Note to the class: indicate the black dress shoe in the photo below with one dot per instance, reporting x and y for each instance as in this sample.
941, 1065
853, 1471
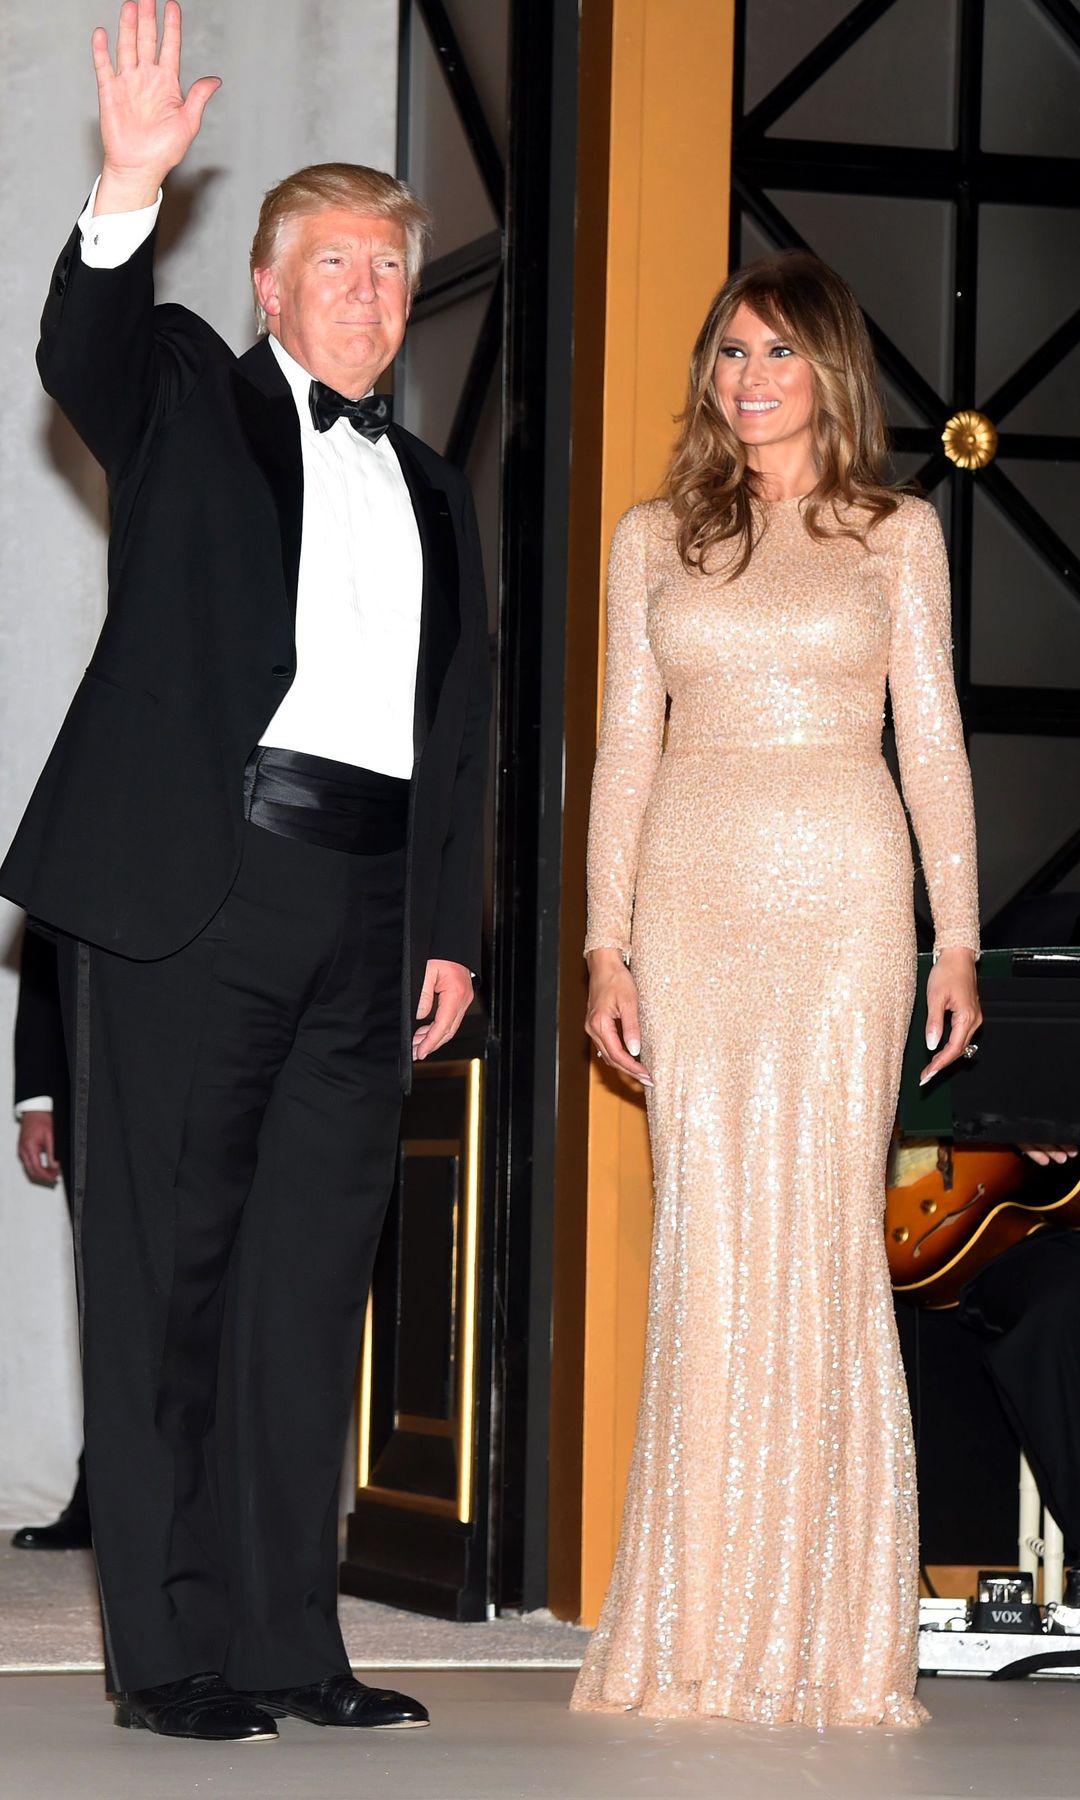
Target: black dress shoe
198, 1706
341, 1700
71, 1531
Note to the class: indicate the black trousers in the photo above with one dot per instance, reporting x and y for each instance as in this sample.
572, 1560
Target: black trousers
241, 1103
1026, 1305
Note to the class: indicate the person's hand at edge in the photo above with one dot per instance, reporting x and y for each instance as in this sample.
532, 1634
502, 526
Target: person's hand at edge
1045, 1154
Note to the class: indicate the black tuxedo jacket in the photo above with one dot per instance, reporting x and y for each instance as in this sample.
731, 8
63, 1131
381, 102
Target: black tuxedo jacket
132, 836
41, 1066
40, 1057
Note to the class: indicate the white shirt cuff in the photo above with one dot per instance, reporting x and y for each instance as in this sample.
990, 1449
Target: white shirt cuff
40, 1103
110, 239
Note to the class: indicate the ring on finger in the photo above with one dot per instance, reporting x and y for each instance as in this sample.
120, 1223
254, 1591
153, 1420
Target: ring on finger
969, 1052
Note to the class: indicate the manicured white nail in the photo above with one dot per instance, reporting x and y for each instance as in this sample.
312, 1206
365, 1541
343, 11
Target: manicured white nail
933, 1037
633, 1046
923, 1079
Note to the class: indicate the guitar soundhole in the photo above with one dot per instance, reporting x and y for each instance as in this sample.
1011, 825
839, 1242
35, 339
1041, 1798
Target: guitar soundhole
930, 1206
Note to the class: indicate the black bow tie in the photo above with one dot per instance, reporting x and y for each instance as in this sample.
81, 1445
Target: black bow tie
369, 416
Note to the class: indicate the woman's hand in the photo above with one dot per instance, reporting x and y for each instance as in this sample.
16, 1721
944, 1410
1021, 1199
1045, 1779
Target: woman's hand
951, 989
611, 1020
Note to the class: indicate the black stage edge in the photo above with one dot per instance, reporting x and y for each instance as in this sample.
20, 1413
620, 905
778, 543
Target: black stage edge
532, 634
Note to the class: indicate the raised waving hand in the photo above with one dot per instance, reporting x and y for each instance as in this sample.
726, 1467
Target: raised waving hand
147, 124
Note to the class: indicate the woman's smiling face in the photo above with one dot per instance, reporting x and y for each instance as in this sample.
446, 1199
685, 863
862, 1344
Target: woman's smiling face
764, 387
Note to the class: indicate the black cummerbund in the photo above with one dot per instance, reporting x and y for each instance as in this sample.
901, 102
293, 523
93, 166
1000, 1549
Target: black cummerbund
333, 804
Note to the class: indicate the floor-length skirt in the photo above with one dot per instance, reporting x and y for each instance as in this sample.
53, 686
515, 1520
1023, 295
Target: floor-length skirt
768, 1564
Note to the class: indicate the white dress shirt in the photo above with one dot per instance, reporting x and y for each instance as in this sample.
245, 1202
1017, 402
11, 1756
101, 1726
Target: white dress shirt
39, 1103
361, 569
110, 240
358, 599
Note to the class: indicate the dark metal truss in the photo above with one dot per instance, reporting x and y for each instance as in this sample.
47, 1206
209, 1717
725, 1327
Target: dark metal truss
968, 177
477, 266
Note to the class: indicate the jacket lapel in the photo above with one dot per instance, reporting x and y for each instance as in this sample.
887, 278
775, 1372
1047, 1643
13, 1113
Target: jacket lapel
268, 415
440, 618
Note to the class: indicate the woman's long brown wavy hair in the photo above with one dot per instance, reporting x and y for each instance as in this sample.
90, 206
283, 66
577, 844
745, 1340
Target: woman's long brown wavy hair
714, 494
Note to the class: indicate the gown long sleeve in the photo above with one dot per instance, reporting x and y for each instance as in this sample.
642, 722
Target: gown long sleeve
631, 735
934, 770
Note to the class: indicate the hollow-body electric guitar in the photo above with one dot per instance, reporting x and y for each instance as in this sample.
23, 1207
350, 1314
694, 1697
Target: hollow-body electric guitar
949, 1212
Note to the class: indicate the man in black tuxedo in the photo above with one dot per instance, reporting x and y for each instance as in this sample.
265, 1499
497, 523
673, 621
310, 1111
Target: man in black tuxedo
259, 838
43, 1112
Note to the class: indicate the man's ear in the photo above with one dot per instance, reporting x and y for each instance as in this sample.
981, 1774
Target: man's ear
265, 281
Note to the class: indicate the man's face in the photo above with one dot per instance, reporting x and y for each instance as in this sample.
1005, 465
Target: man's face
337, 297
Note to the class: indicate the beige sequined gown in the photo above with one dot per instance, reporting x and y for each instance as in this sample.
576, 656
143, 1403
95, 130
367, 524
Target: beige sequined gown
767, 1568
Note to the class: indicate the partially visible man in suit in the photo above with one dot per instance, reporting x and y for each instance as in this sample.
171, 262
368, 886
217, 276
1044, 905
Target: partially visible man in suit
1025, 1305
43, 1114
259, 838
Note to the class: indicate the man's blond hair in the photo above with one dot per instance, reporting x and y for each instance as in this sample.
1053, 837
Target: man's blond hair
352, 187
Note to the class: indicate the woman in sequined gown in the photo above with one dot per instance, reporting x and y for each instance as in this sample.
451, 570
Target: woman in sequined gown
751, 865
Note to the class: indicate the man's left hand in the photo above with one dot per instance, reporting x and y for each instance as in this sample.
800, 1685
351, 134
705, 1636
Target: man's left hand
448, 988
37, 1148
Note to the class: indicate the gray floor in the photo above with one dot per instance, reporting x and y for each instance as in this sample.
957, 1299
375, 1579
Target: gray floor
506, 1735
49, 1622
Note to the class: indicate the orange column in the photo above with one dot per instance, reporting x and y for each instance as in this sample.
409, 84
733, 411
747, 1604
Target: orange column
654, 162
